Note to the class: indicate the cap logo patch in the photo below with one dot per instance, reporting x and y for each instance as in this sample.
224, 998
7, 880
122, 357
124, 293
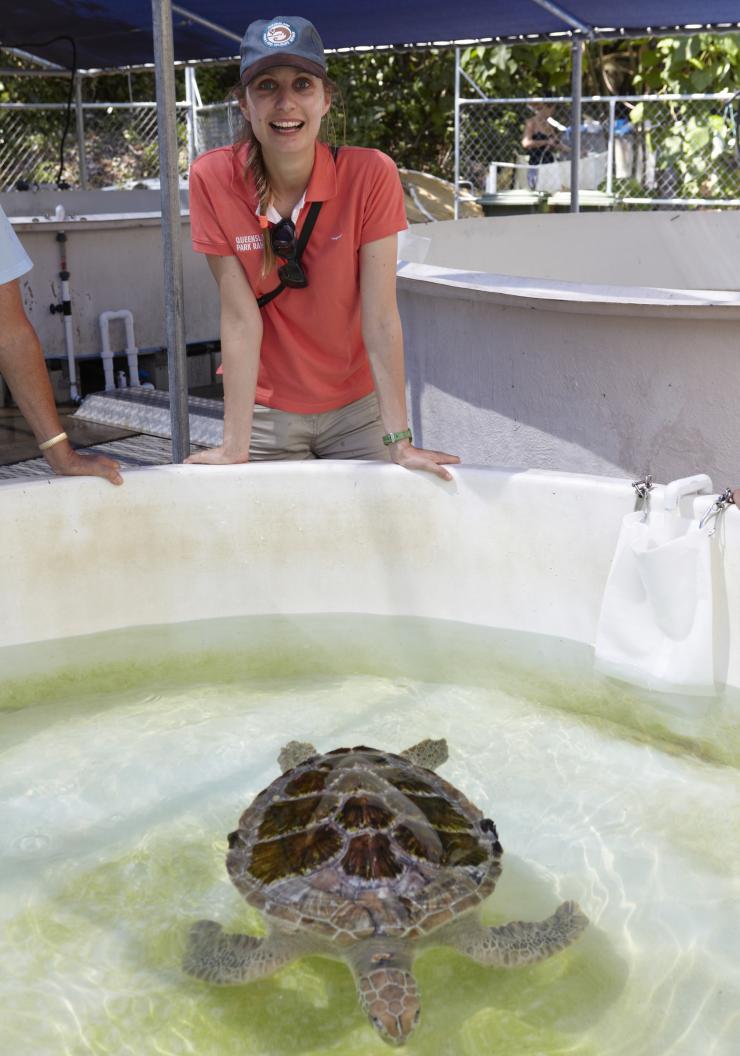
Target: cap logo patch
278, 35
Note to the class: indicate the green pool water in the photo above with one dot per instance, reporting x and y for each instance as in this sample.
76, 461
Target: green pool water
126, 758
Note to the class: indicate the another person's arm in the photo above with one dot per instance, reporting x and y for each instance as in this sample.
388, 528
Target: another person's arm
383, 337
241, 340
527, 142
552, 140
23, 368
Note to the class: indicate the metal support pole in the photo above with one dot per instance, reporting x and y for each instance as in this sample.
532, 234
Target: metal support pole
576, 50
610, 147
80, 116
457, 133
171, 229
199, 20
27, 56
565, 16
192, 98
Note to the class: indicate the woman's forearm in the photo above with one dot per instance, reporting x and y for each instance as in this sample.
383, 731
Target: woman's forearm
240, 360
384, 343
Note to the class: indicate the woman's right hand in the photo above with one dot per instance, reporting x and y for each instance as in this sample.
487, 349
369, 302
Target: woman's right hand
216, 456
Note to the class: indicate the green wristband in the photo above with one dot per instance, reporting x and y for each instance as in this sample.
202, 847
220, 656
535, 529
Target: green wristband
393, 438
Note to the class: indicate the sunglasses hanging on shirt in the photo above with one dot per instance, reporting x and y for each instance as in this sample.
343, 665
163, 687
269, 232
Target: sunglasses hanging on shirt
285, 246
290, 249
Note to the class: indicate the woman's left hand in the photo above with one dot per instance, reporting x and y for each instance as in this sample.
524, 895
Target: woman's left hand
736, 497
419, 458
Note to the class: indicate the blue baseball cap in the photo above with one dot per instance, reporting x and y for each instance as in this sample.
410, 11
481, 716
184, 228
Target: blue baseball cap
281, 41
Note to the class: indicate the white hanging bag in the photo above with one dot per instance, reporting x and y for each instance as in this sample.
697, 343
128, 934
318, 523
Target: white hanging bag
655, 627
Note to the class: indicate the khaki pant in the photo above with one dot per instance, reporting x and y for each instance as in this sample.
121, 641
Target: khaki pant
352, 431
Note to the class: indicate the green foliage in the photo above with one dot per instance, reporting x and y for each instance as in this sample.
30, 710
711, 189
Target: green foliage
520, 70
684, 65
400, 102
403, 102
215, 82
696, 152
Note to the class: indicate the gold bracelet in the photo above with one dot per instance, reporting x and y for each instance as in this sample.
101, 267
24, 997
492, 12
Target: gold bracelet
52, 441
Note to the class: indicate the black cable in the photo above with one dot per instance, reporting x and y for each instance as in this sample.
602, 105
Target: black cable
61, 183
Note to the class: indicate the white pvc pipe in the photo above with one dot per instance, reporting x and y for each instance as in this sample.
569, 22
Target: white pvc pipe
132, 352
66, 306
69, 341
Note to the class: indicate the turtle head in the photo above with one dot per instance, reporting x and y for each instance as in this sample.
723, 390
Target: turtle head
387, 991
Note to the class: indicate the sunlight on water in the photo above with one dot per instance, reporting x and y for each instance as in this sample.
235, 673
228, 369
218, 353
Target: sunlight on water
118, 789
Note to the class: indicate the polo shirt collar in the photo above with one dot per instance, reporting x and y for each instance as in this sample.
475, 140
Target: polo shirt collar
322, 184
274, 216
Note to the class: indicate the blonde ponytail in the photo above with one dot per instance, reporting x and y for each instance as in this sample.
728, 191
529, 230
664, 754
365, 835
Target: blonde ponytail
256, 165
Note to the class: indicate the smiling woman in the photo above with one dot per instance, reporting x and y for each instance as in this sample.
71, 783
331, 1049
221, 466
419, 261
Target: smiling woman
301, 240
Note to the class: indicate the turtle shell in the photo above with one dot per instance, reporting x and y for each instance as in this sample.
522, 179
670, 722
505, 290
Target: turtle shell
360, 842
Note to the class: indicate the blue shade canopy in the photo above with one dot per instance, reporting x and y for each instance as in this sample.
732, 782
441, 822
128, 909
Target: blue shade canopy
112, 33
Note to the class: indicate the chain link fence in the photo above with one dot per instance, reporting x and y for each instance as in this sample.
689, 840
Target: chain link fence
637, 150
111, 145
216, 126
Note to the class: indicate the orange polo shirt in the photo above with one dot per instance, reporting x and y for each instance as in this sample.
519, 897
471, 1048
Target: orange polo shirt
313, 358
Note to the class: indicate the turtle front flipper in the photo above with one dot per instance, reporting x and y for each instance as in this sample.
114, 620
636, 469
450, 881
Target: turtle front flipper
428, 753
522, 942
293, 753
230, 959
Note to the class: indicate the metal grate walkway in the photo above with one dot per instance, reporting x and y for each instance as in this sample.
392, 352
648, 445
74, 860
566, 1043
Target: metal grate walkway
148, 411
131, 452
145, 412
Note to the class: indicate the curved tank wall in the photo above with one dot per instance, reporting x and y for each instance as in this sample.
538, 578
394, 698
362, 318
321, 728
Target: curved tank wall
122, 778
675, 250
599, 343
521, 551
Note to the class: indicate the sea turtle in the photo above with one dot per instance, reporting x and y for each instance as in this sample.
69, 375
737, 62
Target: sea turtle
369, 857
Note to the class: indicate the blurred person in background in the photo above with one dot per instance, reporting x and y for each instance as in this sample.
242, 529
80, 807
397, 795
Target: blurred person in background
540, 139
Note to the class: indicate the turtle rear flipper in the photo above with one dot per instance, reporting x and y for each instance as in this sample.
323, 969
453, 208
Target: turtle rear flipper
522, 942
293, 754
427, 753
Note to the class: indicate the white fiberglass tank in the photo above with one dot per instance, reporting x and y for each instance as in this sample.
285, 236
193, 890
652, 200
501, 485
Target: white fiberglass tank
164, 639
